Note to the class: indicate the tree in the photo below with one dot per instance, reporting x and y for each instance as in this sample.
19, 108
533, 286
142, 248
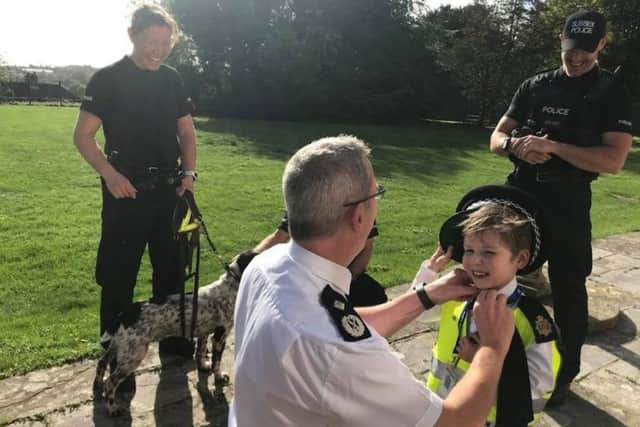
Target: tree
5, 90
624, 29
474, 48
297, 59
4, 73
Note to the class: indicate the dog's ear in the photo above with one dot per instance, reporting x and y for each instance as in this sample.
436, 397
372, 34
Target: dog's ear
243, 260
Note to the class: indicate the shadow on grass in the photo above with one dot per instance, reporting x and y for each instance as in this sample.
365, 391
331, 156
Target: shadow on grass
427, 152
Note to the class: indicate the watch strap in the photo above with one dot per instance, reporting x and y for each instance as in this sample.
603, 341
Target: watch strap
424, 298
190, 173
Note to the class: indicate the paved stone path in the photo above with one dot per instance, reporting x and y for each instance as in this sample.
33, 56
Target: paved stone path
607, 392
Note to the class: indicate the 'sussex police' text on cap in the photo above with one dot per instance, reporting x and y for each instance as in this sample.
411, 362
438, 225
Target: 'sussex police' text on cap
583, 30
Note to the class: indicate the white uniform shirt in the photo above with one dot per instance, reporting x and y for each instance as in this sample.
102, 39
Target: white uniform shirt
292, 366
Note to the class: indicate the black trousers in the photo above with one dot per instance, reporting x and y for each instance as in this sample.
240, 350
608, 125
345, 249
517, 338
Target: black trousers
567, 207
128, 226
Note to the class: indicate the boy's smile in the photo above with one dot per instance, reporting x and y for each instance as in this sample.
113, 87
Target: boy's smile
489, 260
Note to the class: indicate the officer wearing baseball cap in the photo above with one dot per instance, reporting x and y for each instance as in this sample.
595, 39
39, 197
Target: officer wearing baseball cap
583, 30
563, 128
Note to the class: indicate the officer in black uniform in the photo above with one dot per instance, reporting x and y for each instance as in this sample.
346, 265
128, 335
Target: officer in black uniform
146, 117
562, 129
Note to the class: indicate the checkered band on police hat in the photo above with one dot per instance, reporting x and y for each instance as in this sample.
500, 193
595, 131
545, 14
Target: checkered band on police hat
518, 200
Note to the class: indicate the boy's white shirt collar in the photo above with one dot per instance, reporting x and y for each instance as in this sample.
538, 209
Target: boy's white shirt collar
507, 291
509, 288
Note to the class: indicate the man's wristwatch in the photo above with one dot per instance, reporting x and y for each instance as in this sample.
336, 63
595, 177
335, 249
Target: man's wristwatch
192, 174
424, 298
506, 144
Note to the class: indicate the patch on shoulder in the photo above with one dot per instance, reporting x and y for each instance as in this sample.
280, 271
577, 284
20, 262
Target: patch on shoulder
349, 324
541, 321
543, 326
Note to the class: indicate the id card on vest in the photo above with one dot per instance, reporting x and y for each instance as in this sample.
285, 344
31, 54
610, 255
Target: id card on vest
449, 380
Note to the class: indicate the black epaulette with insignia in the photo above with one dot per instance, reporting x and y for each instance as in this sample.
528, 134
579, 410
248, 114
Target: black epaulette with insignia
345, 318
541, 322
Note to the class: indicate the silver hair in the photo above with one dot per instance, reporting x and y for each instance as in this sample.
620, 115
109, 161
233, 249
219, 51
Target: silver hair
321, 177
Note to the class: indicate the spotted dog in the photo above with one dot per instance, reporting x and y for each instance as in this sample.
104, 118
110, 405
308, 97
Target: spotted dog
146, 322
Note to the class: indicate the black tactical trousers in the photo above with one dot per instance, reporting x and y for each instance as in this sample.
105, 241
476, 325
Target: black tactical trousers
567, 206
128, 226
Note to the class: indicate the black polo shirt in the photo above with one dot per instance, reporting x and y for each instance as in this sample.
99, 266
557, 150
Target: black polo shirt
139, 110
555, 102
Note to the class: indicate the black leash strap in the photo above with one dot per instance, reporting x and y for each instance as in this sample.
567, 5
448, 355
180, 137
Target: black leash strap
187, 232
191, 203
181, 210
190, 221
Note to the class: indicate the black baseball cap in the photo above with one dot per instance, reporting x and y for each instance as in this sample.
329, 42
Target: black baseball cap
583, 30
515, 198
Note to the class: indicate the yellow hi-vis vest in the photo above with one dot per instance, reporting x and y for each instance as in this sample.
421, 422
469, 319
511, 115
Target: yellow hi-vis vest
447, 369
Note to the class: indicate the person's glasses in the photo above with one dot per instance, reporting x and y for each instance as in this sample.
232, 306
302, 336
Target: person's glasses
380, 190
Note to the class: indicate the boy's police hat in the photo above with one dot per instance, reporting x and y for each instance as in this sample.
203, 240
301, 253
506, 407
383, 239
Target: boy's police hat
518, 200
583, 30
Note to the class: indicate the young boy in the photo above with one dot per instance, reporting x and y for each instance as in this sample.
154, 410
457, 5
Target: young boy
498, 232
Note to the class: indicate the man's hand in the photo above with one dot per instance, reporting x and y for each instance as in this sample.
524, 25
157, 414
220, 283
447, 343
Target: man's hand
119, 186
532, 149
495, 321
456, 285
185, 184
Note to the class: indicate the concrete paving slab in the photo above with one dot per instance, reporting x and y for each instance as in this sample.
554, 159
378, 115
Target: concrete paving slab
616, 393
620, 244
628, 279
594, 358
416, 353
604, 306
599, 253
633, 347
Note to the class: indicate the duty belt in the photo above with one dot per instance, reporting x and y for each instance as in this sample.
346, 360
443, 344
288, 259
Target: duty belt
152, 177
560, 173
145, 178
554, 174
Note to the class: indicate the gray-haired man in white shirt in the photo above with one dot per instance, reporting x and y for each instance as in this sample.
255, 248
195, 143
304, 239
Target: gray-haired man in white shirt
304, 356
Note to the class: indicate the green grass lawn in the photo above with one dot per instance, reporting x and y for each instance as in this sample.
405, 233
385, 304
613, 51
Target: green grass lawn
50, 211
